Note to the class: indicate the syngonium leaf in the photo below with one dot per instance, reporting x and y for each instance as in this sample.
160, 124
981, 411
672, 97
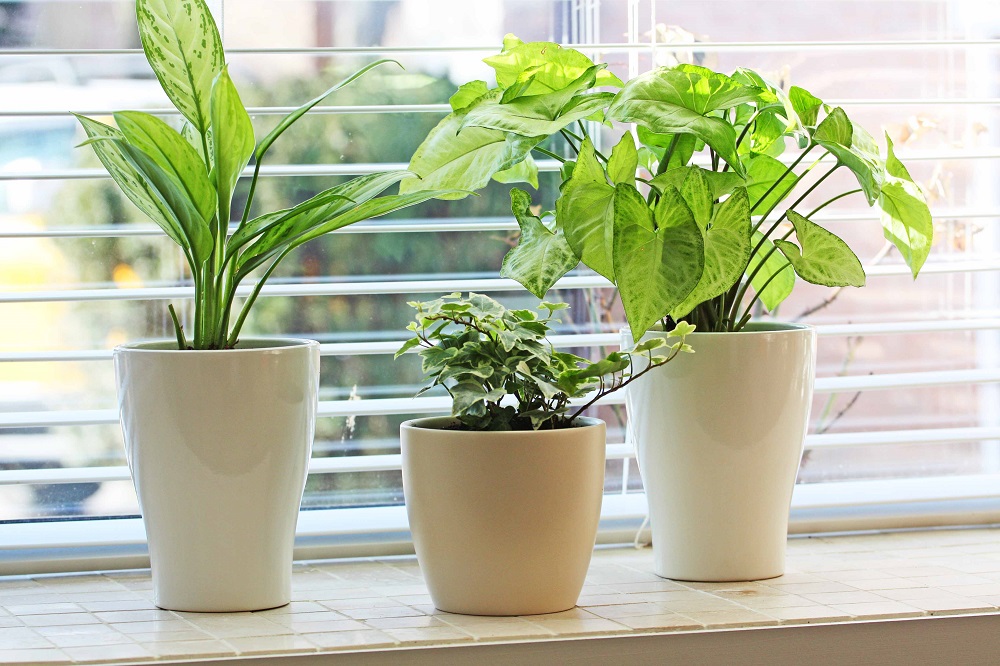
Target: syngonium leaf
823, 258
763, 176
541, 114
525, 171
805, 104
624, 161
172, 153
727, 251
697, 194
233, 143
720, 183
654, 270
775, 279
906, 219
680, 150
542, 256
467, 93
128, 178
465, 159
182, 44
854, 148
551, 67
682, 100
585, 211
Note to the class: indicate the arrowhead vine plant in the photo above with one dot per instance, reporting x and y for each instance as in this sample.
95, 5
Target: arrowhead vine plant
502, 372
702, 221
184, 179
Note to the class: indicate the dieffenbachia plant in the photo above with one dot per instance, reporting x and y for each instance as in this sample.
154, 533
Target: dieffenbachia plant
184, 180
693, 223
501, 371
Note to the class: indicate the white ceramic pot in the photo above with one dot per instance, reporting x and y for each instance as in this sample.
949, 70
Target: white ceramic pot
503, 523
218, 443
718, 436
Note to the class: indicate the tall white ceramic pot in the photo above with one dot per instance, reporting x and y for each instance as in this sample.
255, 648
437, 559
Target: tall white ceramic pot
718, 436
503, 523
218, 443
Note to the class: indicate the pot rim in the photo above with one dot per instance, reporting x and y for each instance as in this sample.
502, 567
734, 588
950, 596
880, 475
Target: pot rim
418, 424
757, 328
258, 344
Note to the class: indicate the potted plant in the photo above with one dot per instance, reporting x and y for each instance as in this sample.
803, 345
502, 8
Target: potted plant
504, 496
701, 222
218, 429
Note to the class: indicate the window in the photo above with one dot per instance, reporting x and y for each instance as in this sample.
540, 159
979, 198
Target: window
906, 422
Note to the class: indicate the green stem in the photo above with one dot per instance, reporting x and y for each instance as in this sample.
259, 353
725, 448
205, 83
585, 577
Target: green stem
178, 329
839, 196
566, 135
789, 170
245, 310
548, 153
746, 313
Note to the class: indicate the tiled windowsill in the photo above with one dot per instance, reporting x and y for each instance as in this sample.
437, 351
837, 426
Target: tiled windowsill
381, 604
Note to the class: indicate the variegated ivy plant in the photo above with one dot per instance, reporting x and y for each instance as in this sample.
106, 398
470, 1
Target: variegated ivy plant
184, 179
502, 372
698, 222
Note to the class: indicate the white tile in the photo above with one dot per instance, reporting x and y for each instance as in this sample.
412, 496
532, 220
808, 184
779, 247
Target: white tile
109, 653
14, 655
369, 638
22, 638
272, 644
428, 635
60, 619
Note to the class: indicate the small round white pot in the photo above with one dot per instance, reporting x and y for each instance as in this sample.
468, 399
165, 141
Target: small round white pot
503, 523
218, 443
718, 436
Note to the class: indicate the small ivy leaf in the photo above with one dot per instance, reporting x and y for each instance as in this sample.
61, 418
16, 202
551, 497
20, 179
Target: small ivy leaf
824, 258
408, 345
681, 329
541, 256
647, 346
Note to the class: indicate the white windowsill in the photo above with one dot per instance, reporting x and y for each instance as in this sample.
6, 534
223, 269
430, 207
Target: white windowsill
909, 597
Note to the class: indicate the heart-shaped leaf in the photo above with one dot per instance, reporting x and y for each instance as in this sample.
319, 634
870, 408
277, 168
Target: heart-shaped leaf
775, 279
727, 251
585, 210
542, 256
624, 161
824, 258
697, 194
720, 183
464, 159
906, 219
552, 67
654, 270
854, 148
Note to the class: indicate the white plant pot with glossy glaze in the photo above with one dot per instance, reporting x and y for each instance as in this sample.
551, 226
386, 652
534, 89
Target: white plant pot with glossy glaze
718, 436
218, 442
504, 523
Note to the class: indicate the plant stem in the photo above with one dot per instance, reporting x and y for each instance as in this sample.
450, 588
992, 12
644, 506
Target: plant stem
178, 329
567, 135
790, 169
548, 153
839, 196
245, 310
756, 297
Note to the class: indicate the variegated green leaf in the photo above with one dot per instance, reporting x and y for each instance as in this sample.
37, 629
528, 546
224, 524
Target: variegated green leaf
823, 258
542, 256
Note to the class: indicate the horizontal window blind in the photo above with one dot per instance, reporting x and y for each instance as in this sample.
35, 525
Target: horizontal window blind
905, 427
